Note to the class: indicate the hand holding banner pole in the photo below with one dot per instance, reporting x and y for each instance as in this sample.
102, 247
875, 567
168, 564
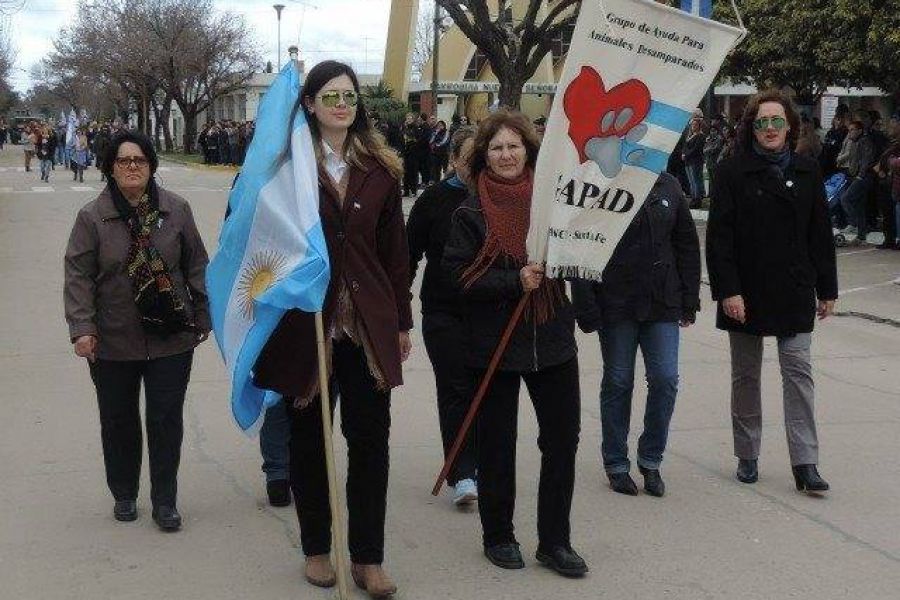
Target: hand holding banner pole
337, 528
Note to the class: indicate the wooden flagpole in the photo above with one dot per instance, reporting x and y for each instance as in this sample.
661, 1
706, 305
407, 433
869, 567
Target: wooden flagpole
479, 395
337, 529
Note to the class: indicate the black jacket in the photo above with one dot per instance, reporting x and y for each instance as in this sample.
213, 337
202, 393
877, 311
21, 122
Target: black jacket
488, 305
769, 240
427, 230
693, 148
654, 273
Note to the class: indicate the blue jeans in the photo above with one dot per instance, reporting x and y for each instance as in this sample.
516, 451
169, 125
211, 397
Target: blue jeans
695, 179
619, 341
853, 201
274, 436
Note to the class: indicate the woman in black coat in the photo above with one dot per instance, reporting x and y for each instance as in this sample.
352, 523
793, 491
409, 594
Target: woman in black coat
650, 288
442, 320
772, 268
487, 258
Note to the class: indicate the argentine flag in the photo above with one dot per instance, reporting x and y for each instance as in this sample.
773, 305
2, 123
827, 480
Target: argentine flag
272, 255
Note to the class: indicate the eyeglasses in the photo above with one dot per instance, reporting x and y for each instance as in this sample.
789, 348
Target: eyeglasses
123, 162
333, 98
762, 123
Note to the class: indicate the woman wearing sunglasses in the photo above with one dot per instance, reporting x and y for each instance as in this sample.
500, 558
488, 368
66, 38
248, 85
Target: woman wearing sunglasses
772, 269
368, 318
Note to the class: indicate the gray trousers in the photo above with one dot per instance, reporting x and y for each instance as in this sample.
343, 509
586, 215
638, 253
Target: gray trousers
797, 383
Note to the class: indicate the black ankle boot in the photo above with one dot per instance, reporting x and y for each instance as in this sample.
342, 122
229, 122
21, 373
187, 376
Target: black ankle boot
622, 483
653, 482
747, 471
808, 479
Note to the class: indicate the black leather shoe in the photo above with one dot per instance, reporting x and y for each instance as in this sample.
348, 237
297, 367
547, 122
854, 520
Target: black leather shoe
747, 471
125, 510
653, 482
563, 560
505, 556
808, 479
622, 483
279, 492
167, 518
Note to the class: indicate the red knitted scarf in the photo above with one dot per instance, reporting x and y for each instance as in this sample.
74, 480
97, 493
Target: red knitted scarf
506, 205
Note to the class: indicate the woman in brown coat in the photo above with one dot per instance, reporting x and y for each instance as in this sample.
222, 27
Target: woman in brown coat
136, 305
368, 318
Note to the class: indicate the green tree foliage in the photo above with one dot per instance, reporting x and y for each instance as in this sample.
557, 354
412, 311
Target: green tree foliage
379, 100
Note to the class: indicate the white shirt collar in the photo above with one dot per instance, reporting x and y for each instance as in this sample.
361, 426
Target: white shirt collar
334, 164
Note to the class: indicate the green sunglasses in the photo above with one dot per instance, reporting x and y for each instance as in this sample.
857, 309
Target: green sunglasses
777, 123
333, 98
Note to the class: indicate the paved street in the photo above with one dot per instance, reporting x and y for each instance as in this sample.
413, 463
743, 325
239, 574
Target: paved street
709, 538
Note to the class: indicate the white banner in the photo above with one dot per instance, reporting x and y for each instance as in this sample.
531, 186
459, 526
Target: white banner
634, 72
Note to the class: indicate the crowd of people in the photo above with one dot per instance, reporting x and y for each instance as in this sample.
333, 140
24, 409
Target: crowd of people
771, 265
50, 144
859, 157
225, 142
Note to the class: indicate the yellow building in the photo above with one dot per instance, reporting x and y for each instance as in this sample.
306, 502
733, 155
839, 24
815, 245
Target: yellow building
466, 85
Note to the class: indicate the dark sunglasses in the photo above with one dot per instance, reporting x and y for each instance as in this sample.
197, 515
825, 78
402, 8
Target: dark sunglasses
333, 98
123, 162
777, 123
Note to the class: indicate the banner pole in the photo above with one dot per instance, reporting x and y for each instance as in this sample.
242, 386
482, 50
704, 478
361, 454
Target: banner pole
479, 395
337, 528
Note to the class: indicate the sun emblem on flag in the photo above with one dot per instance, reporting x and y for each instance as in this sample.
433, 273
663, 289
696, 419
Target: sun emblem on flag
264, 269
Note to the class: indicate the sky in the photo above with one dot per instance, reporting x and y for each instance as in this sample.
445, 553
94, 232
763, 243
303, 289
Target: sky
353, 31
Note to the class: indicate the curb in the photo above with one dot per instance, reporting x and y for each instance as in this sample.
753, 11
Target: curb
188, 163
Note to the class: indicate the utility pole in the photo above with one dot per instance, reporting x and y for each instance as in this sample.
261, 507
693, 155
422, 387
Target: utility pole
434, 58
278, 8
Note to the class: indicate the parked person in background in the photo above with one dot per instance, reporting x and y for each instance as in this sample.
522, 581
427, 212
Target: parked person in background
715, 141
136, 305
29, 143
4, 133
808, 143
485, 256
862, 180
771, 264
44, 151
439, 149
410, 155
423, 146
442, 310
79, 155
831, 146
101, 147
692, 155
887, 181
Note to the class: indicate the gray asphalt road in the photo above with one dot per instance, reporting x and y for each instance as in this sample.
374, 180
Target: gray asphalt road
710, 537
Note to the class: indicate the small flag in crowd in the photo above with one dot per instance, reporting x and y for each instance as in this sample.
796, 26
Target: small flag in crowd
698, 8
272, 255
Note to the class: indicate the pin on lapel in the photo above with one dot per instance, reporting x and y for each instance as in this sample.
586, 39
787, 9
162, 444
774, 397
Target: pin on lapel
789, 184
356, 205
665, 203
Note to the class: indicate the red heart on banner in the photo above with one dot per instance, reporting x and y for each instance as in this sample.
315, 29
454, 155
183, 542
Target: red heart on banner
586, 102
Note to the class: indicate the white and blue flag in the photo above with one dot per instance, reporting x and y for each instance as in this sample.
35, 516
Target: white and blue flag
71, 125
698, 8
272, 255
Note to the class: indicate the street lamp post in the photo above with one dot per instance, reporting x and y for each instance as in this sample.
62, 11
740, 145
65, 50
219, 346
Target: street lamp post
434, 58
278, 8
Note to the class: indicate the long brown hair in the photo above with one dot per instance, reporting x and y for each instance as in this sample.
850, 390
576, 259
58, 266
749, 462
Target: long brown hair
745, 137
487, 129
362, 138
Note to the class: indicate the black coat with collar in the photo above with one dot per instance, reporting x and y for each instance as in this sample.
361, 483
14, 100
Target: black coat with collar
769, 240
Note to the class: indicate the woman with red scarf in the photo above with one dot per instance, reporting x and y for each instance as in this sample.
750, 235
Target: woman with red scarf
486, 257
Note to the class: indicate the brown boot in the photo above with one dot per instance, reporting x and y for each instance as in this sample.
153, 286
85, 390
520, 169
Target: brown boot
373, 579
319, 571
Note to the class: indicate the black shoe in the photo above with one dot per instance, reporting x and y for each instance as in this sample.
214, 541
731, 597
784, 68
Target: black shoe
747, 471
505, 556
563, 560
622, 483
167, 518
125, 510
279, 492
653, 482
808, 479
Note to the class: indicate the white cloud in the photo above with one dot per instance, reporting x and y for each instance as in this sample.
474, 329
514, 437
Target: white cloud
353, 31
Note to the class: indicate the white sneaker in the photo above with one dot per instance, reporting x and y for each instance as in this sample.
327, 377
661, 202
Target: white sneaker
466, 492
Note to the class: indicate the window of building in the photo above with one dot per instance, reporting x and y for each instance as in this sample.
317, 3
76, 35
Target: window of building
476, 65
560, 44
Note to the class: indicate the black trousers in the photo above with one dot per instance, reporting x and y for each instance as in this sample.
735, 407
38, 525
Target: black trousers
366, 424
118, 385
410, 173
556, 397
445, 343
886, 208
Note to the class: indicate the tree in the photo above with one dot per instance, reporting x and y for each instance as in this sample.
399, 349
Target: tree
423, 45
380, 100
513, 46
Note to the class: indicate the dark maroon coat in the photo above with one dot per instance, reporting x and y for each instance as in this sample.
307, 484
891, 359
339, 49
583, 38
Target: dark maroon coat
367, 249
